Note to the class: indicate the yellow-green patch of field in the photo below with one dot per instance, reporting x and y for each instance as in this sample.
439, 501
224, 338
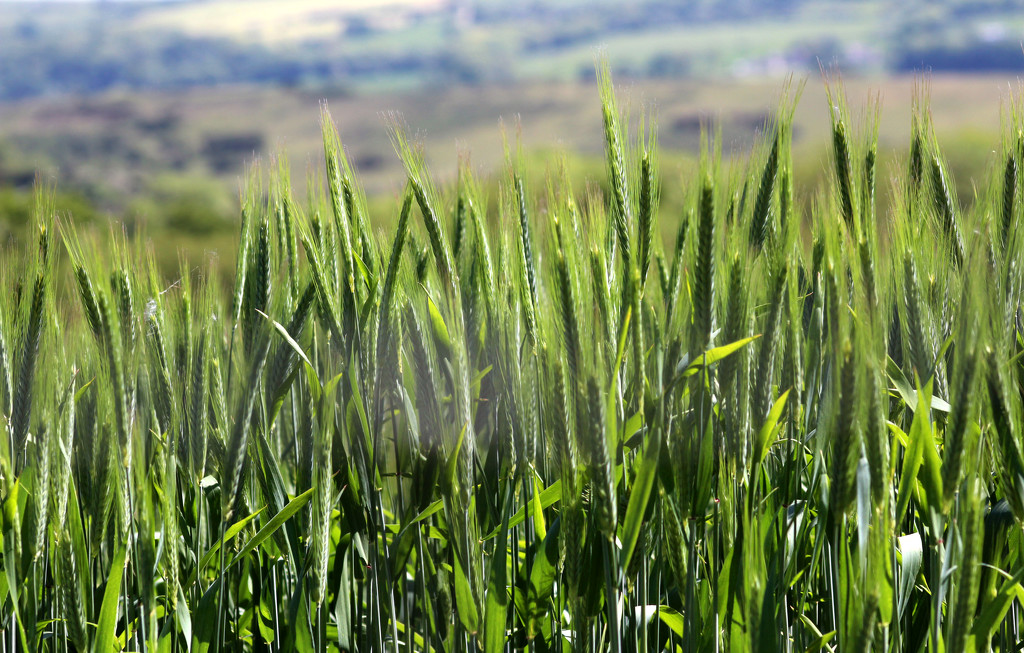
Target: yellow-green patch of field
270, 21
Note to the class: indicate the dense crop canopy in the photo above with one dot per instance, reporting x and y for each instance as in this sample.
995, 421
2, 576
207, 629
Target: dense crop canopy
530, 424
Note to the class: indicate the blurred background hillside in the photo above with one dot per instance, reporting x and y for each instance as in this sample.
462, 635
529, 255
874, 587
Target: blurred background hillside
150, 112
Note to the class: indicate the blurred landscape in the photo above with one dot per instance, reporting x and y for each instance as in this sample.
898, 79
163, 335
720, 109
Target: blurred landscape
150, 112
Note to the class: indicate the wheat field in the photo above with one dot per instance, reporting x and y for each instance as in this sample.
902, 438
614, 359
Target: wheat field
524, 422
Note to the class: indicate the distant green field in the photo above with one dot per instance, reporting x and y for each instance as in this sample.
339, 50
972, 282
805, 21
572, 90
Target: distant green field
532, 43
712, 49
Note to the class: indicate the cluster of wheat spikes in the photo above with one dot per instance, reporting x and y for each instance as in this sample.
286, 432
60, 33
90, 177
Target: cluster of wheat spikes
532, 426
